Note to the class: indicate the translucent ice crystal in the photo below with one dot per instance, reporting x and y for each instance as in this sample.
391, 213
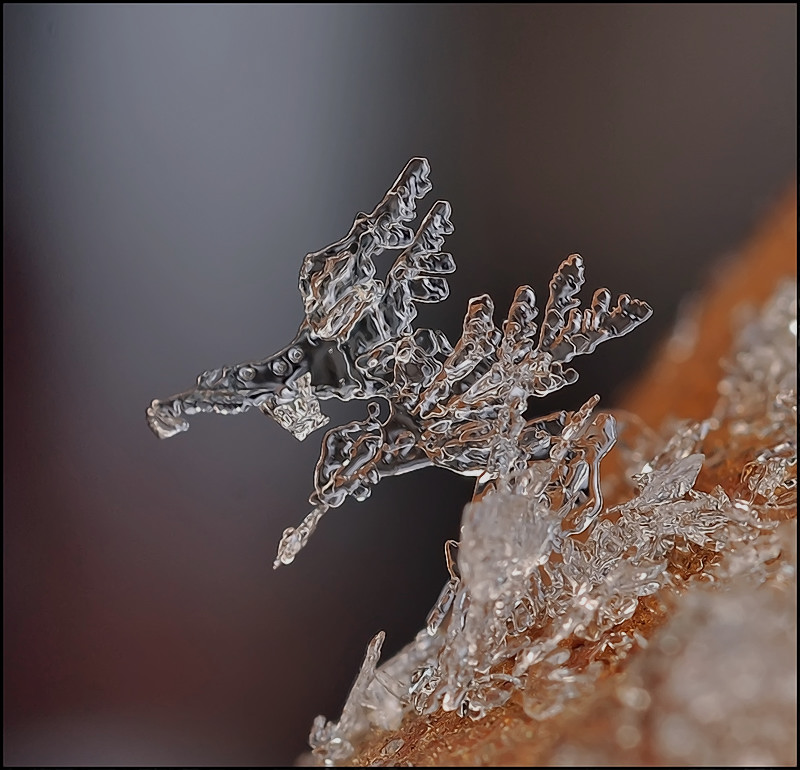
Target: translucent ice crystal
458, 406
540, 561
331, 741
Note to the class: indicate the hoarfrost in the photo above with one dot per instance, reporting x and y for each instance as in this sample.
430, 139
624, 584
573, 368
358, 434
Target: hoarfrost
458, 406
540, 561
526, 580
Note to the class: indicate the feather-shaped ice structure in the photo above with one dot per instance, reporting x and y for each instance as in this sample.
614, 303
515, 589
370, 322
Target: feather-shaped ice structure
458, 406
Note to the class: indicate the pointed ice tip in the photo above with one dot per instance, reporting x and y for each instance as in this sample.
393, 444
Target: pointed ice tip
165, 420
282, 558
575, 259
373, 653
291, 543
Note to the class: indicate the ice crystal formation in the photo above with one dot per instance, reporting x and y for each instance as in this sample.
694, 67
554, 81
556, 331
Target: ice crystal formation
454, 406
521, 584
539, 561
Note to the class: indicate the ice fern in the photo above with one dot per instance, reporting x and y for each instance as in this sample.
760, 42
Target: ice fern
455, 406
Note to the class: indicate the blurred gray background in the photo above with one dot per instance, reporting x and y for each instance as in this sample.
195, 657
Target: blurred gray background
165, 170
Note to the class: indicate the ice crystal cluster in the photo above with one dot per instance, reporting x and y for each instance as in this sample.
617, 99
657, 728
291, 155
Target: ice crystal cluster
454, 406
522, 582
539, 560
715, 686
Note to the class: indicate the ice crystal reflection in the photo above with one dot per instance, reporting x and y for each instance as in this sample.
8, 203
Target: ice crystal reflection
454, 406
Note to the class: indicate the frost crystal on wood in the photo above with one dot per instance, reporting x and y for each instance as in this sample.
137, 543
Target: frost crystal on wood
456, 406
539, 561
522, 583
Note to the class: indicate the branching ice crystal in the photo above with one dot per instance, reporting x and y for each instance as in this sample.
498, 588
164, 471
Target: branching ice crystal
522, 581
456, 406
539, 561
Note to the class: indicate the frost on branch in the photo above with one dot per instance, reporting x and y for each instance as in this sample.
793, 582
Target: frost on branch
524, 583
540, 562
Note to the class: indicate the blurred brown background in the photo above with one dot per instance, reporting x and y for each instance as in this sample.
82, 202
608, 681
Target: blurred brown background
165, 170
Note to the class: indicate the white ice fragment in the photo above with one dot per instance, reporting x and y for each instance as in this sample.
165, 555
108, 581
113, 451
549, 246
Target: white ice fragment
670, 482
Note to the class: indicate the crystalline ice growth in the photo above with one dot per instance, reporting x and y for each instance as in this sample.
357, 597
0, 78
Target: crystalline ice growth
759, 392
715, 685
733, 703
458, 406
540, 561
